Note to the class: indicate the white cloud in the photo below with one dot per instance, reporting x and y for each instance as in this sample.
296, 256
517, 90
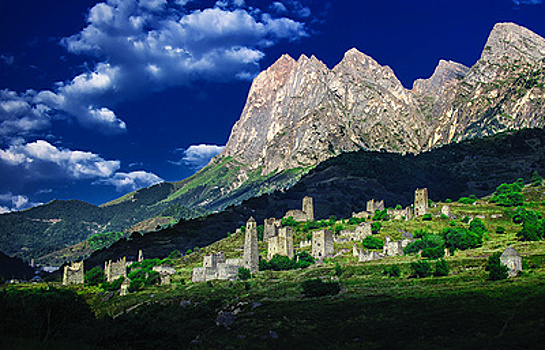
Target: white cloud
132, 181
528, 2
40, 159
20, 115
197, 156
15, 202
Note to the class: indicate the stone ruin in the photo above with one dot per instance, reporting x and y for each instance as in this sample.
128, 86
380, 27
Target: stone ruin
400, 214
140, 256
251, 253
270, 228
322, 244
115, 269
164, 273
420, 201
73, 273
307, 212
281, 244
359, 233
216, 267
364, 256
124, 289
394, 248
373, 206
512, 259
445, 210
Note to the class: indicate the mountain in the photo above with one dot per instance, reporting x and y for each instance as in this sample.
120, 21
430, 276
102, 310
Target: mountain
343, 185
299, 113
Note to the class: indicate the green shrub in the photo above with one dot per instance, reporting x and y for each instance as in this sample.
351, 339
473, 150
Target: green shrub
304, 260
500, 230
289, 221
95, 276
381, 215
509, 195
468, 200
338, 269
431, 245
421, 268
448, 200
112, 286
477, 226
392, 271
317, 288
375, 227
537, 180
460, 238
371, 242
175, 254
260, 229
441, 268
427, 217
244, 273
496, 270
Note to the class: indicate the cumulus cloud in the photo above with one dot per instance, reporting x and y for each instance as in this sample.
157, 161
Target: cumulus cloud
20, 115
40, 159
10, 202
132, 181
197, 156
528, 2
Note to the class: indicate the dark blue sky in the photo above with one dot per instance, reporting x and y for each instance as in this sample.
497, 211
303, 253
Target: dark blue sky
98, 98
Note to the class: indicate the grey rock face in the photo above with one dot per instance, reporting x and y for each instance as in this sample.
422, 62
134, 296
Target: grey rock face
300, 113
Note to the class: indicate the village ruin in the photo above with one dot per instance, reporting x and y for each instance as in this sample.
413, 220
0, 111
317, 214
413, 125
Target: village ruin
115, 269
73, 273
512, 260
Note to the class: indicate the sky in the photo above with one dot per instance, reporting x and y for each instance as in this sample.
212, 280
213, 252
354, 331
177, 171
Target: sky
100, 98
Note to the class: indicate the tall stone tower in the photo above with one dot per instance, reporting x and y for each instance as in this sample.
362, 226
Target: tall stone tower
251, 254
73, 273
308, 208
420, 201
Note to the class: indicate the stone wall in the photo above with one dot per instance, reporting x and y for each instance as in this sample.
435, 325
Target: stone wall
281, 244
215, 267
164, 273
115, 269
373, 206
366, 255
394, 248
322, 244
420, 202
73, 274
400, 214
307, 212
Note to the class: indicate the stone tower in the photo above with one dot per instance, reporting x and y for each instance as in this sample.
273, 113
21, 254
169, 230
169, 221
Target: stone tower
322, 244
251, 254
270, 228
420, 201
308, 208
73, 273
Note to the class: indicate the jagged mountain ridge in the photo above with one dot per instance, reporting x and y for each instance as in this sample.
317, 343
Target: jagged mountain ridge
299, 113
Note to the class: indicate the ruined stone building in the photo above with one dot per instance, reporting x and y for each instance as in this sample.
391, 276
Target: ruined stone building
73, 273
364, 256
115, 269
215, 267
359, 233
445, 210
373, 206
322, 244
512, 259
164, 273
270, 228
420, 201
307, 214
394, 248
124, 288
281, 244
251, 254
400, 214
140, 256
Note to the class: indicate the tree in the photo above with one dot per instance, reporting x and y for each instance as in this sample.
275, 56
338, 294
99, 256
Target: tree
244, 273
375, 227
421, 268
392, 271
441, 268
95, 276
371, 242
496, 270
537, 180
317, 288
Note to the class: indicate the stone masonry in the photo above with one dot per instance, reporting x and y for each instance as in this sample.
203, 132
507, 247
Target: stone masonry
281, 244
512, 259
400, 214
373, 206
115, 269
215, 267
164, 273
420, 201
270, 228
394, 248
73, 273
307, 214
251, 253
322, 244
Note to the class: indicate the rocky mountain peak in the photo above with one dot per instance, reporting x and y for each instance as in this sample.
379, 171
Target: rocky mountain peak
511, 42
446, 73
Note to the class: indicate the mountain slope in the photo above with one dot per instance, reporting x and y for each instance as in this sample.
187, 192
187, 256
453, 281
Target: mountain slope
343, 184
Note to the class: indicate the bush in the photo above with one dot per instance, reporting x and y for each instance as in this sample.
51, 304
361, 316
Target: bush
381, 215
433, 253
338, 270
460, 238
95, 276
537, 180
441, 268
500, 230
244, 273
371, 242
355, 221
430, 244
375, 227
289, 221
427, 217
468, 200
260, 229
175, 254
392, 271
496, 270
304, 260
284, 263
317, 288
448, 200
421, 268
113, 286
509, 195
